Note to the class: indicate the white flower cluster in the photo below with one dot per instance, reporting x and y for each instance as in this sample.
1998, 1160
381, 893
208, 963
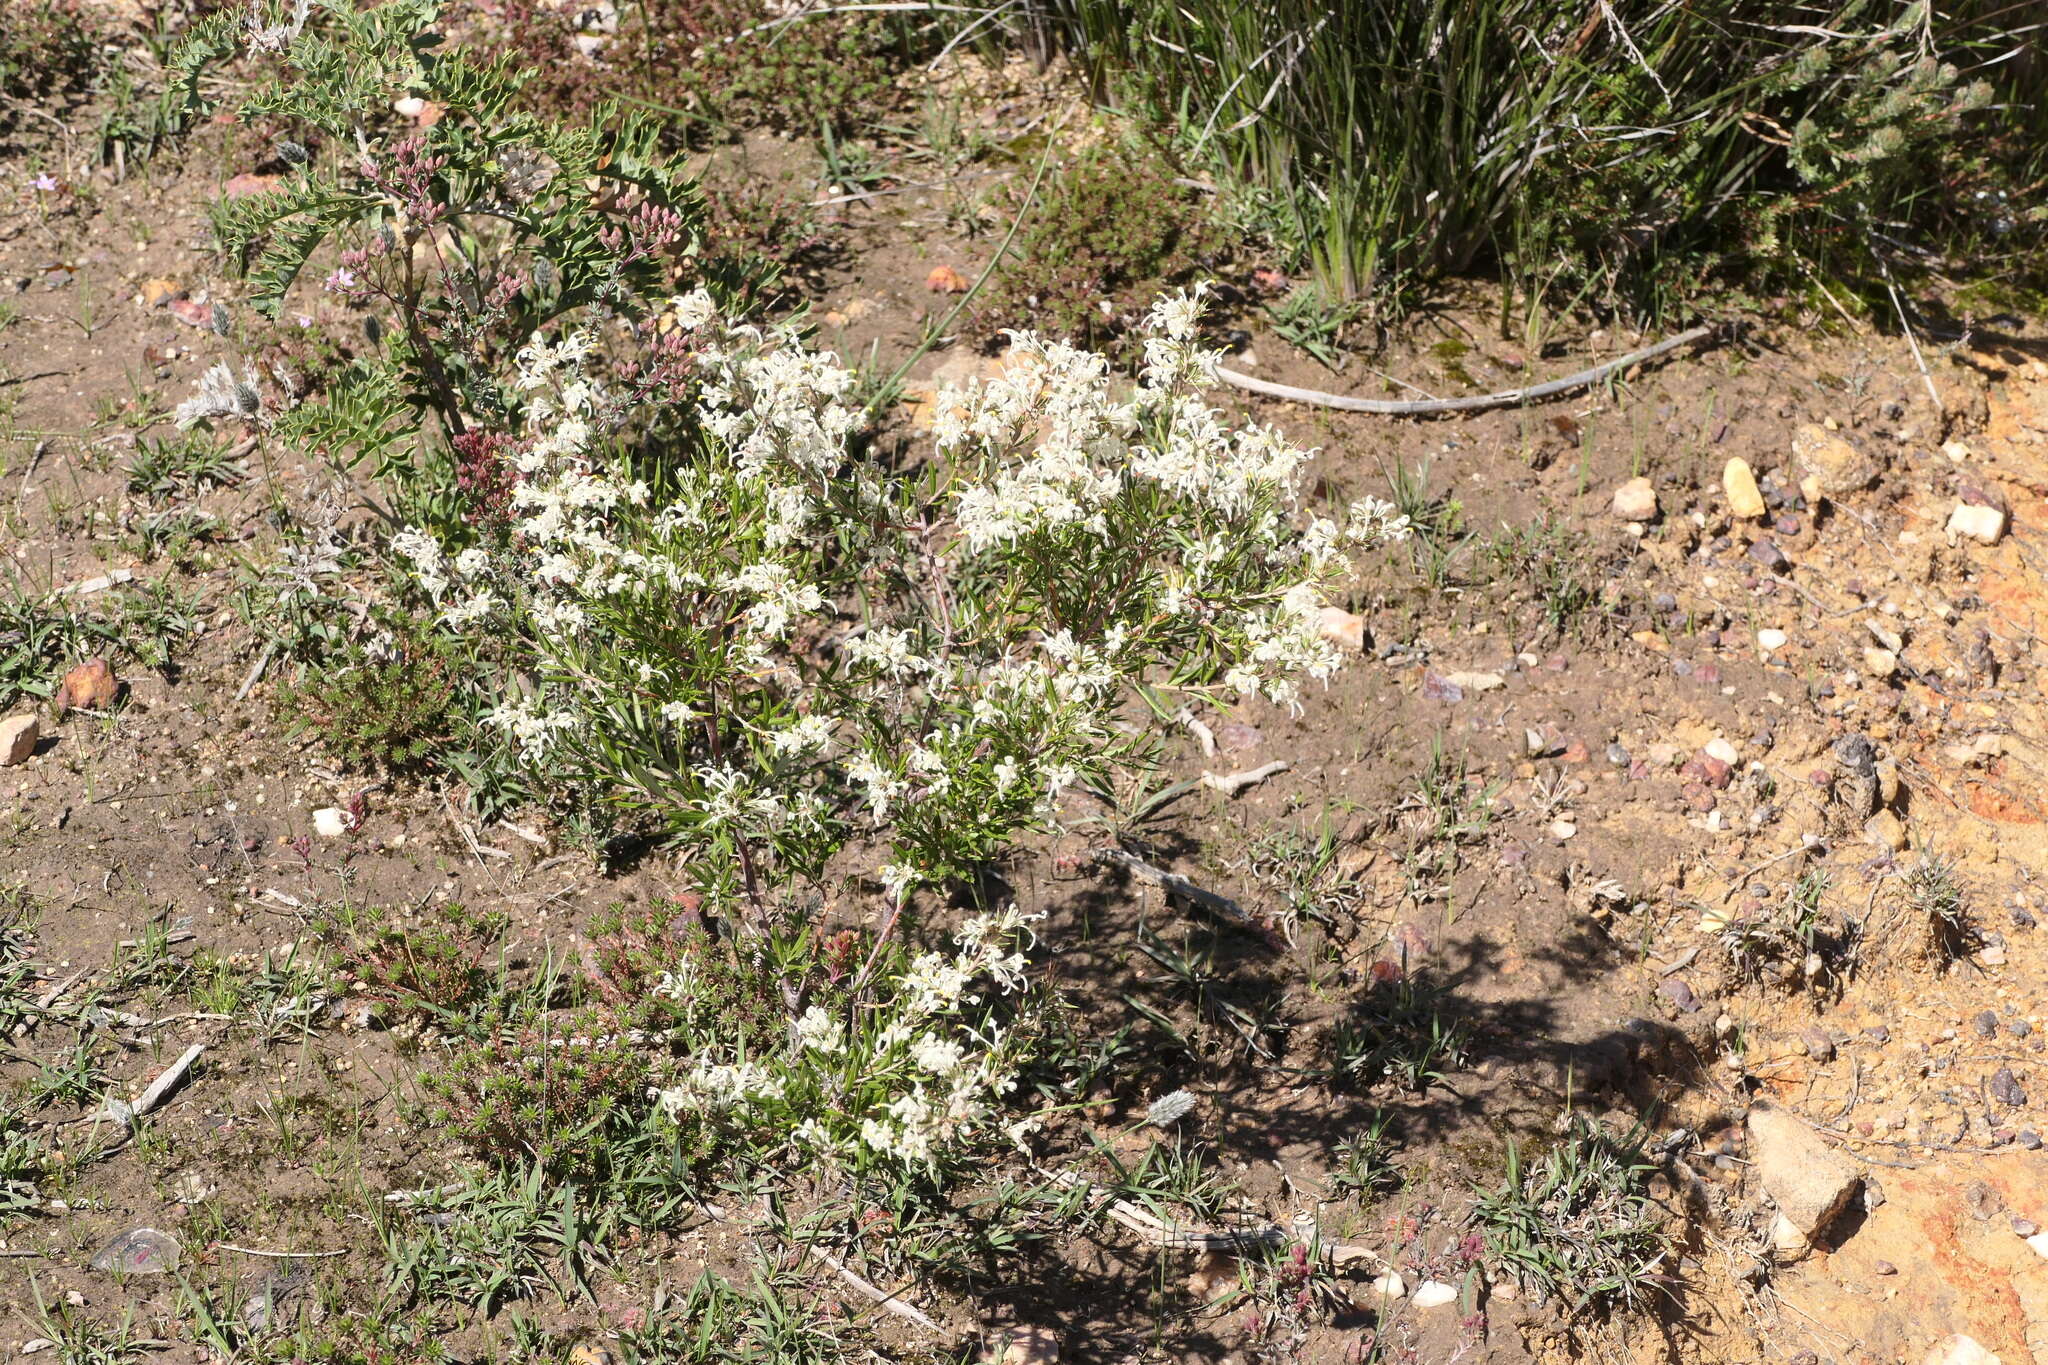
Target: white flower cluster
918, 1074
1077, 532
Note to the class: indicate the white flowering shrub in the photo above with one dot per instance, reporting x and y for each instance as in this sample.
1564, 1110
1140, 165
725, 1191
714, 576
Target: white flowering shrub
779, 643
897, 1073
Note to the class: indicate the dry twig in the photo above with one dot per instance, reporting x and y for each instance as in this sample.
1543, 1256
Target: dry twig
1431, 406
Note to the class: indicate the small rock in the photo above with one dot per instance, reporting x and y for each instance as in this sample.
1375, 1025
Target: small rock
1834, 464
192, 312
1983, 524
2039, 1242
944, 279
330, 822
1819, 1046
1770, 640
1986, 1024
1739, 483
1344, 629
1809, 1181
1883, 1268
1983, 1202
1959, 1350
1680, 993
92, 686
1562, 829
156, 293
1390, 1286
1636, 500
1030, 1346
1787, 1241
1886, 831
1617, 755
2024, 1227
1238, 738
1436, 687
1475, 682
1434, 1294
1721, 749
2030, 1139
1880, 663
18, 737
1769, 555
1213, 1278
2005, 1088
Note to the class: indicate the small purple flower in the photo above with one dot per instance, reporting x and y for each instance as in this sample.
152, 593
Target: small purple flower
302, 320
342, 280
45, 182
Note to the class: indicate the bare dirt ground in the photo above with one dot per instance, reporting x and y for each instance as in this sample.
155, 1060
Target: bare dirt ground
1580, 775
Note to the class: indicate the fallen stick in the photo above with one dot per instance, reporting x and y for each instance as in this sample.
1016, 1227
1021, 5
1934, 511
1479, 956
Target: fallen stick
256, 671
1173, 1235
1233, 783
112, 578
1808, 843
281, 1255
430, 1192
121, 1111
908, 1312
1176, 885
1424, 407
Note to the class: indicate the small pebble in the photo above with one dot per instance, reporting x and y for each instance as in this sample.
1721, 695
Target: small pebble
1884, 1268
1617, 755
1770, 639
2005, 1088
1986, 1024
1680, 994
